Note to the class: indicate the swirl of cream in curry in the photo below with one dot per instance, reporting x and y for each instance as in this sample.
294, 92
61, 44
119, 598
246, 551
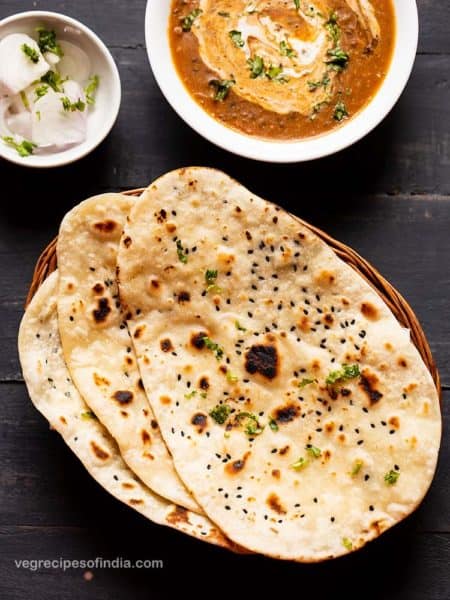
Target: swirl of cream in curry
276, 54
287, 56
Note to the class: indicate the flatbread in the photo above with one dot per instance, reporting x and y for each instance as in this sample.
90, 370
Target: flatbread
345, 424
96, 342
53, 393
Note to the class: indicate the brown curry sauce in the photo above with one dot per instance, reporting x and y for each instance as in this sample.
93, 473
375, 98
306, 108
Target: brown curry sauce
356, 85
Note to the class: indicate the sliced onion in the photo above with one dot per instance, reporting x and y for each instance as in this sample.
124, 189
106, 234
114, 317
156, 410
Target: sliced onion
17, 70
75, 64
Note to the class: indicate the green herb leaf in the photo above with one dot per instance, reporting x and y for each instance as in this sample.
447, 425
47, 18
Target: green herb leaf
313, 451
324, 82
304, 382
299, 464
91, 89
340, 111
218, 350
391, 477
211, 276
252, 427
286, 50
333, 28
347, 372
222, 88
182, 256
273, 425
72, 106
236, 38
41, 90
190, 395
32, 54
232, 378
87, 415
239, 326
275, 74
256, 65
47, 42
338, 58
24, 99
347, 544
357, 467
53, 79
220, 413
188, 20
297, 4
23, 148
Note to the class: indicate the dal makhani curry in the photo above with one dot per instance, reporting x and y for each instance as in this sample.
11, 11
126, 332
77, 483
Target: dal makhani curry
282, 69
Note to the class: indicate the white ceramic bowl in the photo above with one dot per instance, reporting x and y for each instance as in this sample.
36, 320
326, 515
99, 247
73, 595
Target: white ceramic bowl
158, 48
107, 103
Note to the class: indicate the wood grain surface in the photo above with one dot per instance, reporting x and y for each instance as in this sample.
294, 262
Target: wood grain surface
388, 197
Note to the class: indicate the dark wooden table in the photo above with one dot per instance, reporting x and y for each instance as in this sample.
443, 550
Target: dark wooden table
388, 197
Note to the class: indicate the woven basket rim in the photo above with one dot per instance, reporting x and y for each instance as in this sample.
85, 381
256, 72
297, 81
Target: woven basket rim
47, 263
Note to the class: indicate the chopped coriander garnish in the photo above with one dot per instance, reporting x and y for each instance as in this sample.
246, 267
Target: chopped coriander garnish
182, 256
220, 413
299, 464
188, 20
218, 350
222, 88
333, 28
223, 14
32, 54
239, 327
347, 544
211, 276
53, 79
23, 148
340, 111
391, 477
24, 99
88, 415
357, 467
256, 66
72, 106
304, 382
297, 4
47, 42
338, 58
231, 378
252, 427
38, 115
324, 82
41, 90
91, 89
236, 38
286, 50
274, 74
273, 425
313, 451
347, 372
190, 395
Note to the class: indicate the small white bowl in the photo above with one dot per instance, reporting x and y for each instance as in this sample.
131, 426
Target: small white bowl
158, 48
107, 102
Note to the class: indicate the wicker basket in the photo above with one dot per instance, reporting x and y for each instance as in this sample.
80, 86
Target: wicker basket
47, 263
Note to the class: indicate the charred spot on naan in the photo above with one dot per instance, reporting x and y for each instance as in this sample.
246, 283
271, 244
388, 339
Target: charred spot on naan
102, 311
166, 345
98, 289
274, 502
178, 515
99, 452
107, 227
183, 297
237, 466
123, 397
200, 421
370, 311
286, 413
198, 340
262, 359
368, 383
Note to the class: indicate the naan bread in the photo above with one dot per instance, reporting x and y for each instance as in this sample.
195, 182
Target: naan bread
96, 342
295, 406
294, 45
53, 393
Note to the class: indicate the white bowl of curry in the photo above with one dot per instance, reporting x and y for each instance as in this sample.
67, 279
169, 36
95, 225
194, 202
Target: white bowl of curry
282, 80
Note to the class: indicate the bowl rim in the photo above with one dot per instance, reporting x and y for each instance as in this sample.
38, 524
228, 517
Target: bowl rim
69, 156
279, 151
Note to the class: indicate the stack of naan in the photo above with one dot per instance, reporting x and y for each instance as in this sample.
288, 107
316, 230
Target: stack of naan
217, 367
